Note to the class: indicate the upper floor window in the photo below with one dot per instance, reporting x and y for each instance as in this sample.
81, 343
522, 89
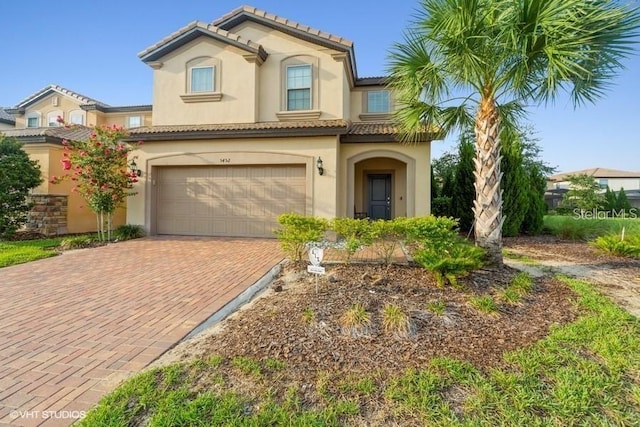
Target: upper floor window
134, 122
52, 118
378, 101
76, 117
202, 79
33, 120
604, 182
299, 87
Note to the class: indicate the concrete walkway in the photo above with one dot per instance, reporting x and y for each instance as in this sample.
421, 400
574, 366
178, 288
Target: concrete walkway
74, 326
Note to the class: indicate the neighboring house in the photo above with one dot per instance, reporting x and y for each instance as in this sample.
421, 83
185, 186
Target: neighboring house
58, 210
6, 120
255, 115
559, 184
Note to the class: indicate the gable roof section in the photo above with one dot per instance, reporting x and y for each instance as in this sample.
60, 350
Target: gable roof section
191, 32
304, 32
6, 117
48, 90
596, 173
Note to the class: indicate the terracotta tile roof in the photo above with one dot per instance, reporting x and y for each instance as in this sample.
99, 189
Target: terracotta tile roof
596, 173
6, 117
194, 30
74, 133
61, 90
372, 128
231, 127
242, 13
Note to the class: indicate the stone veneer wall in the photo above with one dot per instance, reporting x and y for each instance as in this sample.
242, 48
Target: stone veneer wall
48, 214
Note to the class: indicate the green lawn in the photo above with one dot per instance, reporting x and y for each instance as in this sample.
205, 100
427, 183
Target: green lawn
584, 373
575, 228
29, 250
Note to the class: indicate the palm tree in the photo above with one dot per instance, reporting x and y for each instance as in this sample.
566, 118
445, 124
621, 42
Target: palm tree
477, 63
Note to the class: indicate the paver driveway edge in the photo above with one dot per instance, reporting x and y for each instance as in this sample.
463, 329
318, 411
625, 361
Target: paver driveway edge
232, 306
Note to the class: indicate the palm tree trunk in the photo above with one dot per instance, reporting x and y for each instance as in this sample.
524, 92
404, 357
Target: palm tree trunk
488, 204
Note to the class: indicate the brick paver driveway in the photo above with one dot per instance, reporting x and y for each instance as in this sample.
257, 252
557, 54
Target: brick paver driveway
73, 326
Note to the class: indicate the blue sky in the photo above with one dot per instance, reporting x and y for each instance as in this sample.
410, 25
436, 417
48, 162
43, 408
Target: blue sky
92, 48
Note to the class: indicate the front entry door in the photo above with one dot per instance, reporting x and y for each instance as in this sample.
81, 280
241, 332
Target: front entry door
380, 196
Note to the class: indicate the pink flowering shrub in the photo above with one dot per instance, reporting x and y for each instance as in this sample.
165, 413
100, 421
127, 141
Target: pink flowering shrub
99, 168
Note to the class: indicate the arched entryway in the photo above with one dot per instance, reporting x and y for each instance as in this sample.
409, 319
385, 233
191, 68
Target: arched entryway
380, 185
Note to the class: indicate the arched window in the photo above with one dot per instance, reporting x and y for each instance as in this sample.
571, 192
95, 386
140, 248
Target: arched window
77, 117
52, 118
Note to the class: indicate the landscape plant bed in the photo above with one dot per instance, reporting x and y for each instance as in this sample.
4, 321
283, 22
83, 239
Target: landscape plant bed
563, 355
304, 330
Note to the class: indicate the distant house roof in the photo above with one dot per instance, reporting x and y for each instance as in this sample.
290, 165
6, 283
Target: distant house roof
46, 91
6, 117
50, 134
596, 173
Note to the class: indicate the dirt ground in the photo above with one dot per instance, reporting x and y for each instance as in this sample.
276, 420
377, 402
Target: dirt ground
616, 277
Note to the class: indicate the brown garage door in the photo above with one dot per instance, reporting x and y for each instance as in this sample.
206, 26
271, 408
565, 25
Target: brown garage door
227, 200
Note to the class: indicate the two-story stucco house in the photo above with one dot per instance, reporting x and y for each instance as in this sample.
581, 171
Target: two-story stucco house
255, 115
58, 209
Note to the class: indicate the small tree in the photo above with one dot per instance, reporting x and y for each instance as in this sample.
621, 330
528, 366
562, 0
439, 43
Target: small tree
18, 175
99, 166
622, 201
464, 192
514, 183
584, 193
534, 217
610, 200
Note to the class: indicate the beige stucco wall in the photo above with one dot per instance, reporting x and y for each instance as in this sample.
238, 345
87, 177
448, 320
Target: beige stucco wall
120, 119
280, 46
6, 126
236, 82
250, 92
321, 190
356, 158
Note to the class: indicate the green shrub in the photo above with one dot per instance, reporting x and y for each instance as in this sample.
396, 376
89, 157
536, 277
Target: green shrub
77, 242
573, 228
387, 235
614, 245
431, 231
128, 232
356, 233
356, 321
448, 262
298, 230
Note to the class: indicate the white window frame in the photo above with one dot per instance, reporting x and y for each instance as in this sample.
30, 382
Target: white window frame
77, 113
213, 79
35, 115
140, 122
52, 118
310, 87
381, 91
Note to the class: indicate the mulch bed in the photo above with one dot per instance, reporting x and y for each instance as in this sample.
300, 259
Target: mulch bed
274, 326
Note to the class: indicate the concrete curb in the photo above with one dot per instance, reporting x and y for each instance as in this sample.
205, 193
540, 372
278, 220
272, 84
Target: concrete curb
233, 305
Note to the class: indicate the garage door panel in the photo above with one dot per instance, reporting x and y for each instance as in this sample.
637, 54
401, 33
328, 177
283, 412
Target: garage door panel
228, 200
